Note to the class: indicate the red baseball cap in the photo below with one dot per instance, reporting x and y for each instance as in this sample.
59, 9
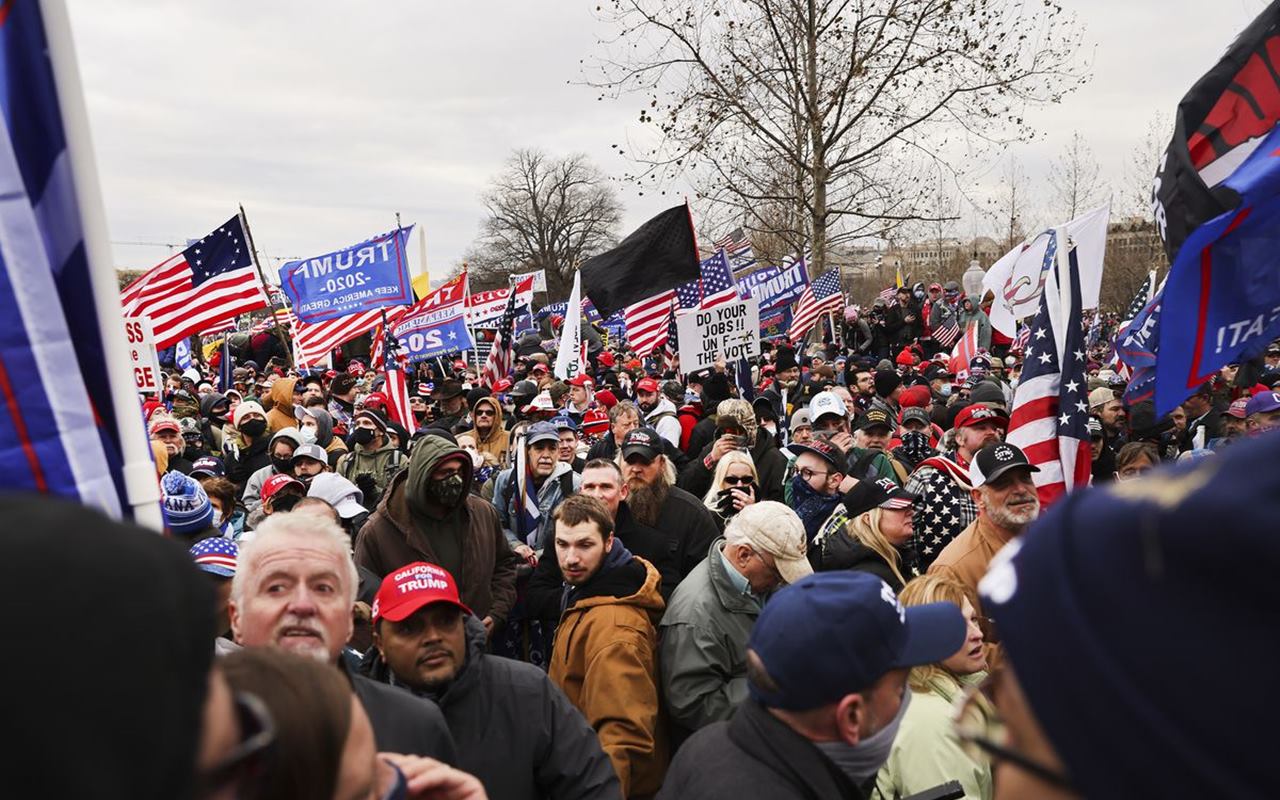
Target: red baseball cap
502, 386
976, 413
376, 400
606, 359
413, 586
277, 482
582, 379
648, 385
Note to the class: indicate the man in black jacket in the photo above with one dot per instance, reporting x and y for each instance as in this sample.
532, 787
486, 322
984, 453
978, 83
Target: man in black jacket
515, 730
294, 588
827, 666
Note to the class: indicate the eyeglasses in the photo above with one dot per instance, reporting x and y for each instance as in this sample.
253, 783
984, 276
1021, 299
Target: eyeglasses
809, 474
771, 565
983, 735
737, 480
258, 733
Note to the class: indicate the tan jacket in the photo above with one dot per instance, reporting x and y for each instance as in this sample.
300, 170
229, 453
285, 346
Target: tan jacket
605, 659
966, 559
281, 413
494, 446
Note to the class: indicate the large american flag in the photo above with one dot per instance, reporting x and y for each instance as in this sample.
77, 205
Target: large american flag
820, 297
211, 281
738, 249
501, 358
315, 341
647, 322
1050, 406
717, 287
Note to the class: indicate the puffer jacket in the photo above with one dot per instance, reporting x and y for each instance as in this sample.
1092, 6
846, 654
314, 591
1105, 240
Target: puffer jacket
407, 527
550, 495
977, 315
513, 728
704, 645
605, 659
281, 413
495, 445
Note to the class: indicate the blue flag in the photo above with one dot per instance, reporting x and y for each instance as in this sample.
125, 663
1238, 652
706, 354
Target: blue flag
366, 276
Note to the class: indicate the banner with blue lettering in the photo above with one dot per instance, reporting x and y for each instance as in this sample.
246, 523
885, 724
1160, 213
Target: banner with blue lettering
436, 332
747, 284
372, 274
784, 288
775, 324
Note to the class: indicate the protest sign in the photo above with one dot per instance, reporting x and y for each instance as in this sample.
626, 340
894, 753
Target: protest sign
142, 354
782, 288
730, 331
363, 277
437, 324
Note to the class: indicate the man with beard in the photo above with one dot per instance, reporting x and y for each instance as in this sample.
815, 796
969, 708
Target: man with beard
429, 514
1115, 420
659, 413
294, 588
514, 729
656, 501
947, 504
1007, 503
605, 653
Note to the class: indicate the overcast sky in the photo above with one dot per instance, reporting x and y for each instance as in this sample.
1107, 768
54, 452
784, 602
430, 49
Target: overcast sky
325, 118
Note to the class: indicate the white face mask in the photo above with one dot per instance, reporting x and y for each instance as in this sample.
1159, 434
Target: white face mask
307, 435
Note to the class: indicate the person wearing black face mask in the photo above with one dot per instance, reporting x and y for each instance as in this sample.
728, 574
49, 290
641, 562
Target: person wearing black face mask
213, 415
373, 460
280, 462
247, 456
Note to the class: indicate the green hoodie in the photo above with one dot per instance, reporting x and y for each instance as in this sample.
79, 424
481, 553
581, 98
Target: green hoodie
443, 527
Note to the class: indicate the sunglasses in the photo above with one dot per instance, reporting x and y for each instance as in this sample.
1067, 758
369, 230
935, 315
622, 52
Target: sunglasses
243, 764
738, 480
484, 412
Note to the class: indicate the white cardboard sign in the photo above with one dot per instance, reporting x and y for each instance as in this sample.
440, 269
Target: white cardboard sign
730, 331
142, 354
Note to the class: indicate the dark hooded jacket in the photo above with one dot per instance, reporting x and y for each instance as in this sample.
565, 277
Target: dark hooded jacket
211, 430
333, 445
514, 729
771, 466
466, 539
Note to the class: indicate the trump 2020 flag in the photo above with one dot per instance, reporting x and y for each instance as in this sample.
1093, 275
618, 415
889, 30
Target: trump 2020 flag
1217, 207
68, 407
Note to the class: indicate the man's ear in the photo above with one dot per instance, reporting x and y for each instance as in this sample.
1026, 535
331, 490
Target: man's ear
625, 491
233, 615
851, 714
608, 543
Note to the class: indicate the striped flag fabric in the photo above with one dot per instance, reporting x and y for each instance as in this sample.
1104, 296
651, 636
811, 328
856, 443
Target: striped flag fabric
738, 249
501, 358
820, 297
315, 341
213, 280
717, 287
965, 350
1050, 406
648, 321
888, 294
1020, 341
947, 333
397, 386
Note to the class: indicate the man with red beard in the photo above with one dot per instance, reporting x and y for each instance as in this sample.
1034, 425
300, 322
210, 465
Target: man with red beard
656, 501
947, 505
1007, 503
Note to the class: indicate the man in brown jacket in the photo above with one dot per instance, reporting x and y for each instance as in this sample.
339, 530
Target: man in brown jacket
605, 651
1007, 504
429, 514
281, 414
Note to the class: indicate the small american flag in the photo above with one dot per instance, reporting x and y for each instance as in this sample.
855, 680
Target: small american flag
738, 249
965, 349
888, 294
397, 383
647, 322
820, 297
502, 356
1050, 409
947, 332
718, 287
1021, 340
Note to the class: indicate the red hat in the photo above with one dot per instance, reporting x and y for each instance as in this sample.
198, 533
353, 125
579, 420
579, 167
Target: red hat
633, 364
648, 385
582, 379
502, 386
376, 400
606, 398
595, 422
413, 586
915, 397
355, 368
605, 359
331, 373
277, 482
540, 367
906, 358
459, 364
972, 415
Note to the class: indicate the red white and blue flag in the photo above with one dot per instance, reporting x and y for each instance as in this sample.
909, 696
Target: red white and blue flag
648, 322
820, 297
1050, 406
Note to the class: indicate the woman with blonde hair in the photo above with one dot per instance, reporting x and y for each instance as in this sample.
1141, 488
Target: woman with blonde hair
879, 524
926, 751
734, 486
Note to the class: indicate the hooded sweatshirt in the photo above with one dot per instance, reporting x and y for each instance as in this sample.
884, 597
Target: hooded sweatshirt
332, 445
963, 318
465, 539
210, 429
281, 413
493, 446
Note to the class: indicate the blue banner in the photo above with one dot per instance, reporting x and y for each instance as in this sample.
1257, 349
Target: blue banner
784, 288
776, 324
434, 333
748, 284
366, 276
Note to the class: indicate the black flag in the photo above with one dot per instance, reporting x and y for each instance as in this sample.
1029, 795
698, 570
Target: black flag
660, 255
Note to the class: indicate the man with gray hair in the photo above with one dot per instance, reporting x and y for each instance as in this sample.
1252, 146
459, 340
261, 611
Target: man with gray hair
294, 588
708, 621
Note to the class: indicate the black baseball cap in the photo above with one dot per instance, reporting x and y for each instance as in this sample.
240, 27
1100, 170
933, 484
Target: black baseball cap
874, 417
995, 460
643, 442
882, 493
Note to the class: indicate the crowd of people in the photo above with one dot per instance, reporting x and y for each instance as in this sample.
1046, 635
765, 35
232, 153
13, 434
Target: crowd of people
818, 573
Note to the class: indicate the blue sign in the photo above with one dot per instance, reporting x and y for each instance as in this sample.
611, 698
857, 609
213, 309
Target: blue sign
369, 275
776, 324
434, 333
783, 288
749, 284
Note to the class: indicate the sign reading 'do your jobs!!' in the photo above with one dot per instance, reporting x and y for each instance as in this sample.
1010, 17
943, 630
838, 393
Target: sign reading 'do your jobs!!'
730, 331
369, 275
142, 354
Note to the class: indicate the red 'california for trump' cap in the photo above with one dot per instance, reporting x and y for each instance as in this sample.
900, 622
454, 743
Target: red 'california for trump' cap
413, 586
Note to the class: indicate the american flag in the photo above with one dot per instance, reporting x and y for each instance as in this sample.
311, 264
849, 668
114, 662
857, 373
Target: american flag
718, 287
397, 387
1050, 406
888, 294
501, 358
947, 332
738, 248
1020, 341
820, 297
647, 322
211, 281
965, 350
315, 341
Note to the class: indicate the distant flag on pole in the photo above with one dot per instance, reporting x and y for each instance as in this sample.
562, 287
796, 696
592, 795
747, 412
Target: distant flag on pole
718, 287
647, 322
397, 384
820, 297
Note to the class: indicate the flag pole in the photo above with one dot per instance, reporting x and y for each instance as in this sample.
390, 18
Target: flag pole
262, 280
138, 470
466, 315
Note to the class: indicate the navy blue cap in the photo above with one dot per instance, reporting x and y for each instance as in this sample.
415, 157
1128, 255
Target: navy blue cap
208, 465
1119, 602
564, 422
836, 633
541, 432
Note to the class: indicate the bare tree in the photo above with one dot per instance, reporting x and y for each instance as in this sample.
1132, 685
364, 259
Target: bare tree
1010, 210
543, 213
838, 110
1133, 245
1074, 178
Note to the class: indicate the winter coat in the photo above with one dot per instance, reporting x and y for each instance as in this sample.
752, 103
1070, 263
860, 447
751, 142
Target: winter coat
839, 550
771, 466
550, 494
926, 752
857, 336
755, 754
665, 420
281, 413
903, 332
704, 645
382, 465
963, 318
514, 729
966, 559
400, 532
401, 722
605, 659
210, 433
241, 462
495, 446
